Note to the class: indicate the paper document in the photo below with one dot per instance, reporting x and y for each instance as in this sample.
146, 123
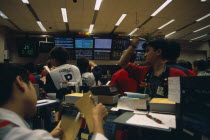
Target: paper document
174, 89
131, 104
143, 120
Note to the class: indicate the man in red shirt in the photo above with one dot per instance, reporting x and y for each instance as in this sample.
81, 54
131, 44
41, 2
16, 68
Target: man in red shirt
123, 81
154, 77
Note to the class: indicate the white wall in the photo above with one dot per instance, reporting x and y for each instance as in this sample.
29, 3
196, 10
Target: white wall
194, 50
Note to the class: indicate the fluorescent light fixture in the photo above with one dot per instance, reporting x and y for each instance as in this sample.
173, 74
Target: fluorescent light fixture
25, 1
98, 4
3, 15
64, 14
203, 0
203, 17
161, 7
198, 37
133, 31
201, 28
170, 33
41, 26
120, 19
91, 28
166, 24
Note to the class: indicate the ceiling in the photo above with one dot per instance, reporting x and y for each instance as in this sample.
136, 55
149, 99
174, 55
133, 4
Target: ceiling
81, 15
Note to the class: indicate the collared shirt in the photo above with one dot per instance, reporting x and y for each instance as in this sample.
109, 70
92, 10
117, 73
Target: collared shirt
20, 130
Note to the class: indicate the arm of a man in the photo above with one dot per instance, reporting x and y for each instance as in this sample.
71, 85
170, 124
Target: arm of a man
125, 58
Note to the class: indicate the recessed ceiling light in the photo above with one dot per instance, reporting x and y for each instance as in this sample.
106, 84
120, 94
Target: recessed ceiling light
41, 26
64, 14
91, 28
3, 15
166, 24
98, 4
201, 28
203, 0
161, 7
25, 1
170, 34
203, 17
120, 19
198, 37
133, 31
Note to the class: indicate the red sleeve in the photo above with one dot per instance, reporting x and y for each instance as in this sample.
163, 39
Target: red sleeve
32, 79
137, 72
175, 73
191, 73
114, 79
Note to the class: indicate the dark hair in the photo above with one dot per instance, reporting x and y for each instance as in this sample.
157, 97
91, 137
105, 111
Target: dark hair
185, 64
170, 49
30, 67
8, 74
200, 64
60, 54
83, 64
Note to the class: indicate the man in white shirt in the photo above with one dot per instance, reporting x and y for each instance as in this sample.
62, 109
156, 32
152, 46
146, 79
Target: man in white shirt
63, 72
18, 101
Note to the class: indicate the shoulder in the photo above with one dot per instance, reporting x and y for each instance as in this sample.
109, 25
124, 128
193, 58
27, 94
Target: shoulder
176, 72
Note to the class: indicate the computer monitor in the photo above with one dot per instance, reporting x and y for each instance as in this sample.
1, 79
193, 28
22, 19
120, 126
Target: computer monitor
103, 43
195, 104
102, 54
84, 53
84, 43
65, 42
140, 45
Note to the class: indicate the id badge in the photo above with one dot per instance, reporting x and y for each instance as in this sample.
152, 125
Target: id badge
160, 91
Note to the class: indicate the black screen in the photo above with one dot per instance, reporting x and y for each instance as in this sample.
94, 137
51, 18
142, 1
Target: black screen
195, 105
45, 47
27, 48
64, 42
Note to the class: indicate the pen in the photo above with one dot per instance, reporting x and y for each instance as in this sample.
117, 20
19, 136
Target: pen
154, 119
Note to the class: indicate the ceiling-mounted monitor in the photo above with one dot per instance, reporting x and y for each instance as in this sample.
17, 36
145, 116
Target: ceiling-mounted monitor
84, 43
103, 43
140, 45
65, 42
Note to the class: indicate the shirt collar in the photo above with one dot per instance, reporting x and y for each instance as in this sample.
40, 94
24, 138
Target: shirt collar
13, 117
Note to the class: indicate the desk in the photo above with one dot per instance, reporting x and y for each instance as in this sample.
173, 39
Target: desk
127, 115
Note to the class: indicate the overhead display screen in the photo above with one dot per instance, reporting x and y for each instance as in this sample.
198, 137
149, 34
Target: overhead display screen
103, 43
83, 43
64, 42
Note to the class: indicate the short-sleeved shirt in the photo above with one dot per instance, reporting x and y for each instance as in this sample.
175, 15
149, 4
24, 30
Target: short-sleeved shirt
153, 83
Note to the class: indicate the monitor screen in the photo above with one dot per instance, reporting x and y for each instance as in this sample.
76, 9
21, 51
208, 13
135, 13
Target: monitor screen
103, 43
139, 47
27, 48
64, 42
120, 44
102, 54
84, 53
140, 56
45, 47
85, 43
